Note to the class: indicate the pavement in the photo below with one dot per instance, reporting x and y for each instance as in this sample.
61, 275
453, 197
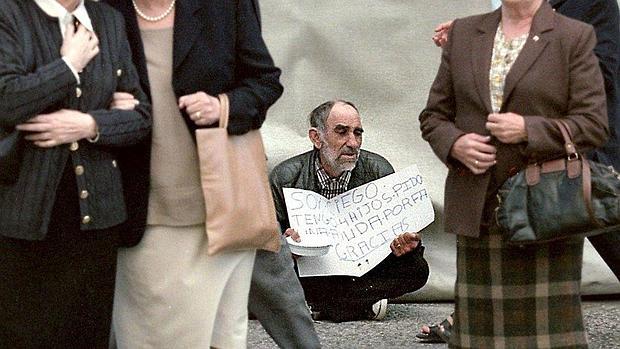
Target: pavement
398, 329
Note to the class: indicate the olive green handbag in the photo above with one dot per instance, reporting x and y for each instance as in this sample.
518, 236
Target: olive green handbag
559, 199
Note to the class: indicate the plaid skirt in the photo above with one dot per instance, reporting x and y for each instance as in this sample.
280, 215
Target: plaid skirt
517, 297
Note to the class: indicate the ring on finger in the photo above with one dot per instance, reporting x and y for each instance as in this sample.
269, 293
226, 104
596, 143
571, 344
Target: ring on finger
476, 162
197, 115
397, 245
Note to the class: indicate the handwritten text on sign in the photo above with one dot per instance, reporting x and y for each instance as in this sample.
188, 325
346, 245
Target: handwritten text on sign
360, 224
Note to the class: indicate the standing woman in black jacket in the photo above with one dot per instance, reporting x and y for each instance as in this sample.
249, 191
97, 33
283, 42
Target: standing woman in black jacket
61, 61
191, 55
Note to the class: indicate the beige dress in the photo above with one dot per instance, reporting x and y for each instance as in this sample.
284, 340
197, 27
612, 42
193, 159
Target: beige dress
169, 293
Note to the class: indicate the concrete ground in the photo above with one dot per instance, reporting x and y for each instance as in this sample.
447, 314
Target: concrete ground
403, 321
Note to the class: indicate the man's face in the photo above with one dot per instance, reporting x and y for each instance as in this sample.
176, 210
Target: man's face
339, 146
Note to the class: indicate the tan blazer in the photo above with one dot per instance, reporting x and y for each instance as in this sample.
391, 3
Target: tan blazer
555, 76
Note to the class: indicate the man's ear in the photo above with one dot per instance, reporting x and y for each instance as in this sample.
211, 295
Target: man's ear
314, 136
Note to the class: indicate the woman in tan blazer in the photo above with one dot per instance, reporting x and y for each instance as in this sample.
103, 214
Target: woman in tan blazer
503, 77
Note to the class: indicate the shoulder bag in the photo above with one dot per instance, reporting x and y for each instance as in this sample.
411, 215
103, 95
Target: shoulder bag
233, 169
559, 199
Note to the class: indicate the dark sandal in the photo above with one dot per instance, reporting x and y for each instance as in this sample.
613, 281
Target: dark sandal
439, 333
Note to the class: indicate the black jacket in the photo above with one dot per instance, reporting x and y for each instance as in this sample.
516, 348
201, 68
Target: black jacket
603, 16
35, 80
300, 172
217, 48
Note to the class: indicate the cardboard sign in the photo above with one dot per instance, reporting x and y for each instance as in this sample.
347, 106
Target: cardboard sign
359, 224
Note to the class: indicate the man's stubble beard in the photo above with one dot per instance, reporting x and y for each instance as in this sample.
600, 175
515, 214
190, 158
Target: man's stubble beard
330, 157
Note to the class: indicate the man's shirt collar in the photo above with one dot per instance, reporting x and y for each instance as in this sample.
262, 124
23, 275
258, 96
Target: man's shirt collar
331, 187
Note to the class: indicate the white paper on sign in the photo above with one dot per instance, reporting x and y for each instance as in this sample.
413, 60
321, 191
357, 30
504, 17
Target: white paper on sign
359, 224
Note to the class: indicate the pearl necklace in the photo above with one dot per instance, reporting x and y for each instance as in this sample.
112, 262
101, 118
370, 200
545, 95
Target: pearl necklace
153, 18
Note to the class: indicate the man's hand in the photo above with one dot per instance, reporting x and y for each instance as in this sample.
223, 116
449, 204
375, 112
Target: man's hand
507, 127
293, 234
475, 152
202, 108
124, 101
441, 33
79, 47
405, 243
60, 127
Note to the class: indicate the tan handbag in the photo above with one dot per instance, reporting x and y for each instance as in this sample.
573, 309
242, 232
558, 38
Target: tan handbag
233, 170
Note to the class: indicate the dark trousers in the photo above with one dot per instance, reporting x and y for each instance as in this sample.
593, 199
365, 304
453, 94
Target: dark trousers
608, 246
58, 293
346, 298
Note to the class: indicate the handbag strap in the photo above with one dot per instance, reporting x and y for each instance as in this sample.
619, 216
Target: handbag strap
224, 110
569, 146
573, 167
578, 159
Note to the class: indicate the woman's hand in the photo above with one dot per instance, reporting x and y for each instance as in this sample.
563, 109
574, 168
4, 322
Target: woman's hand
79, 46
441, 33
60, 127
475, 152
508, 128
124, 101
202, 108
405, 243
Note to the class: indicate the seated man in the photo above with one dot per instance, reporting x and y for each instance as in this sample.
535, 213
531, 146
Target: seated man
335, 165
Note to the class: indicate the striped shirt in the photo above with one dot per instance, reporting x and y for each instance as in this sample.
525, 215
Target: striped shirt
329, 186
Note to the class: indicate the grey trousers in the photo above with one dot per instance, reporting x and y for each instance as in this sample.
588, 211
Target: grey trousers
277, 300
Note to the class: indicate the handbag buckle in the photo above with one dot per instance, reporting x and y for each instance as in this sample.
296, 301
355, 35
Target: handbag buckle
572, 157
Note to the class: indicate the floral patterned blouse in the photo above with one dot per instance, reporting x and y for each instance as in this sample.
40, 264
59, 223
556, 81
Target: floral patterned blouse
505, 53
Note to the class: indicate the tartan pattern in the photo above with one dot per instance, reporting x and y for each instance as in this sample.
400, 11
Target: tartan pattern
505, 53
517, 297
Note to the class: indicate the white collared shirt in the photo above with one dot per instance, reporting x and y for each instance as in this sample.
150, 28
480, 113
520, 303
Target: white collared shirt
54, 9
